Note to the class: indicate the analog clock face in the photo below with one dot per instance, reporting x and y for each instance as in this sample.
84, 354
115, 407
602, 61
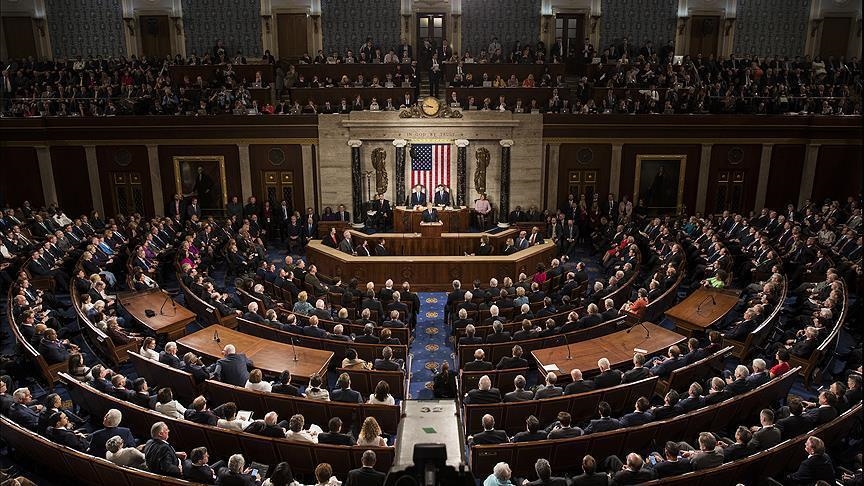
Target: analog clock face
430, 106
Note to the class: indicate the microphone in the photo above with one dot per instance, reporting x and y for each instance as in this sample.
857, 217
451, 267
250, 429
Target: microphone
567, 341
294, 349
713, 302
216, 335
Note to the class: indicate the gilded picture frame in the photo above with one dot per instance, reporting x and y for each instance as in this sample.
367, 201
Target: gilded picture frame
202, 176
659, 181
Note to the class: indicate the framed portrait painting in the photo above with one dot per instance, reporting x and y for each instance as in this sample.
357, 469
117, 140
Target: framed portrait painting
660, 181
202, 177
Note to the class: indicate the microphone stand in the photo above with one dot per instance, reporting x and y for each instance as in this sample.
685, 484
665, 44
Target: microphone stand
294, 349
639, 322
699, 307
567, 342
216, 336
173, 304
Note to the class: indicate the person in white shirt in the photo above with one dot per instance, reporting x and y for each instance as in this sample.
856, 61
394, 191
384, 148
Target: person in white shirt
382, 395
166, 405
123, 456
297, 433
256, 382
231, 421
148, 349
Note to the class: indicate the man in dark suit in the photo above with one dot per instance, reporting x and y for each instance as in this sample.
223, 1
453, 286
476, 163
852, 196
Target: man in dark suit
668, 409
193, 209
816, 467
589, 476
607, 377
469, 337
670, 364
642, 414
176, 208
284, 386
169, 356
196, 469
578, 385
489, 434
793, 425
334, 435
235, 474
670, 464
366, 475
638, 372
520, 394
633, 471
160, 457
532, 431
563, 428
498, 335
442, 196
479, 363
111, 427
605, 423
343, 391
484, 393
417, 197
544, 475
514, 361
824, 411
233, 368
313, 330
549, 389
430, 214
766, 436
386, 362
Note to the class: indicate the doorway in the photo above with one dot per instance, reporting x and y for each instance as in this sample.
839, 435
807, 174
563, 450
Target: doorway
704, 35
835, 37
155, 36
292, 35
19, 38
431, 26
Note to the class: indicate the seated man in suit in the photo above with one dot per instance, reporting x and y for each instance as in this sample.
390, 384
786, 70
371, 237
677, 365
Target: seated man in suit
169, 356
578, 385
822, 412
430, 214
638, 371
386, 362
469, 337
607, 377
520, 394
442, 196
605, 423
233, 368
633, 472
532, 431
590, 476
334, 435
479, 363
498, 335
489, 434
549, 390
666, 410
665, 367
817, 466
365, 475
563, 428
417, 197
111, 427
544, 475
514, 361
641, 415
343, 391
484, 393
670, 464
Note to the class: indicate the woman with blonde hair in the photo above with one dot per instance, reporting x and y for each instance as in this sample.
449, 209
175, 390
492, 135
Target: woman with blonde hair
370, 434
302, 306
256, 381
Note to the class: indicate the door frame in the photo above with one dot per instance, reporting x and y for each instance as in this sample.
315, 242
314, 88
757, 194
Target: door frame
178, 41
314, 36
725, 32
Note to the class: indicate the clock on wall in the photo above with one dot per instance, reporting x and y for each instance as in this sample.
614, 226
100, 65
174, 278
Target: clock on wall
430, 106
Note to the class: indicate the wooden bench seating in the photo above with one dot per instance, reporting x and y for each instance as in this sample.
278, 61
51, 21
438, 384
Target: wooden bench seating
501, 379
159, 375
68, 463
496, 351
116, 353
581, 406
563, 454
365, 381
50, 372
783, 457
208, 314
185, 435
368, 352
810, 367
655, 309
681, 378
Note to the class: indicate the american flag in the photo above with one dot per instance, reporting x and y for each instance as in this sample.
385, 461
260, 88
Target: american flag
430, 165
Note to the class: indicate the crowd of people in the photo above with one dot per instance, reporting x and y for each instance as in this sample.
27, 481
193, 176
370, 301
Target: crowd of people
621, 79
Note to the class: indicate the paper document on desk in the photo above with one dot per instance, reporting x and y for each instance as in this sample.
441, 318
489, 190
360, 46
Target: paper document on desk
550, 367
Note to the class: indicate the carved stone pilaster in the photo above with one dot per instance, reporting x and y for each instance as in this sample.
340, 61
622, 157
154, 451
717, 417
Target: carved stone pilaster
399, 176
461, 171
356, 181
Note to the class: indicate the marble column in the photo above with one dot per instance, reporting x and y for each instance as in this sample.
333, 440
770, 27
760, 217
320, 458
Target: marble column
245, 171
310, 171
461, 171
49, 188
399, 172
93, 178
504, 204
702, 185
764, 170
615, 171
809, 174
551, 197
155, 178
356, 182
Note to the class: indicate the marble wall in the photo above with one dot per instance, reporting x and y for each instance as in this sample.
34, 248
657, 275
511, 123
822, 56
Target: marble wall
481, 129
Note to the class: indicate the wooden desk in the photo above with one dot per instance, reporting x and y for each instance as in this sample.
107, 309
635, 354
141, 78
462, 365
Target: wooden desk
616, 347
335, 95
245, 73
407, 220
269, 356
428, 272
171, 322
324, 227
504, 69
446, 244
703, 308
336, 71
542, 95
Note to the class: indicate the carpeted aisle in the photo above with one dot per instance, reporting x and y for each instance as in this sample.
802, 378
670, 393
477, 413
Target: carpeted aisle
430, 347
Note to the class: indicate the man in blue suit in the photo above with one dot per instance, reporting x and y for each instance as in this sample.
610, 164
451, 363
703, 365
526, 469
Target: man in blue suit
665, 367
343, 391
111, 427
233, 368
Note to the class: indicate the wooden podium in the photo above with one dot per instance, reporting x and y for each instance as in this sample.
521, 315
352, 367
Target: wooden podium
431, 230
704, 307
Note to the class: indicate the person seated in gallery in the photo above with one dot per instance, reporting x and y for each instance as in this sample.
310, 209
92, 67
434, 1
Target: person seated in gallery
430, 214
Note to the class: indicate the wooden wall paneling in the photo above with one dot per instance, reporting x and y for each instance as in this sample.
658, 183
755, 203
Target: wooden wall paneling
229, 152
784, 178
113, 159
18, 33
732, 160
21, 180
691, 173
838, 172
583, 157
69, 164
268, 158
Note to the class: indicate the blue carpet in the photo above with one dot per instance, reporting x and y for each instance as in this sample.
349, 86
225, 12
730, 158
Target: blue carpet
431, 346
